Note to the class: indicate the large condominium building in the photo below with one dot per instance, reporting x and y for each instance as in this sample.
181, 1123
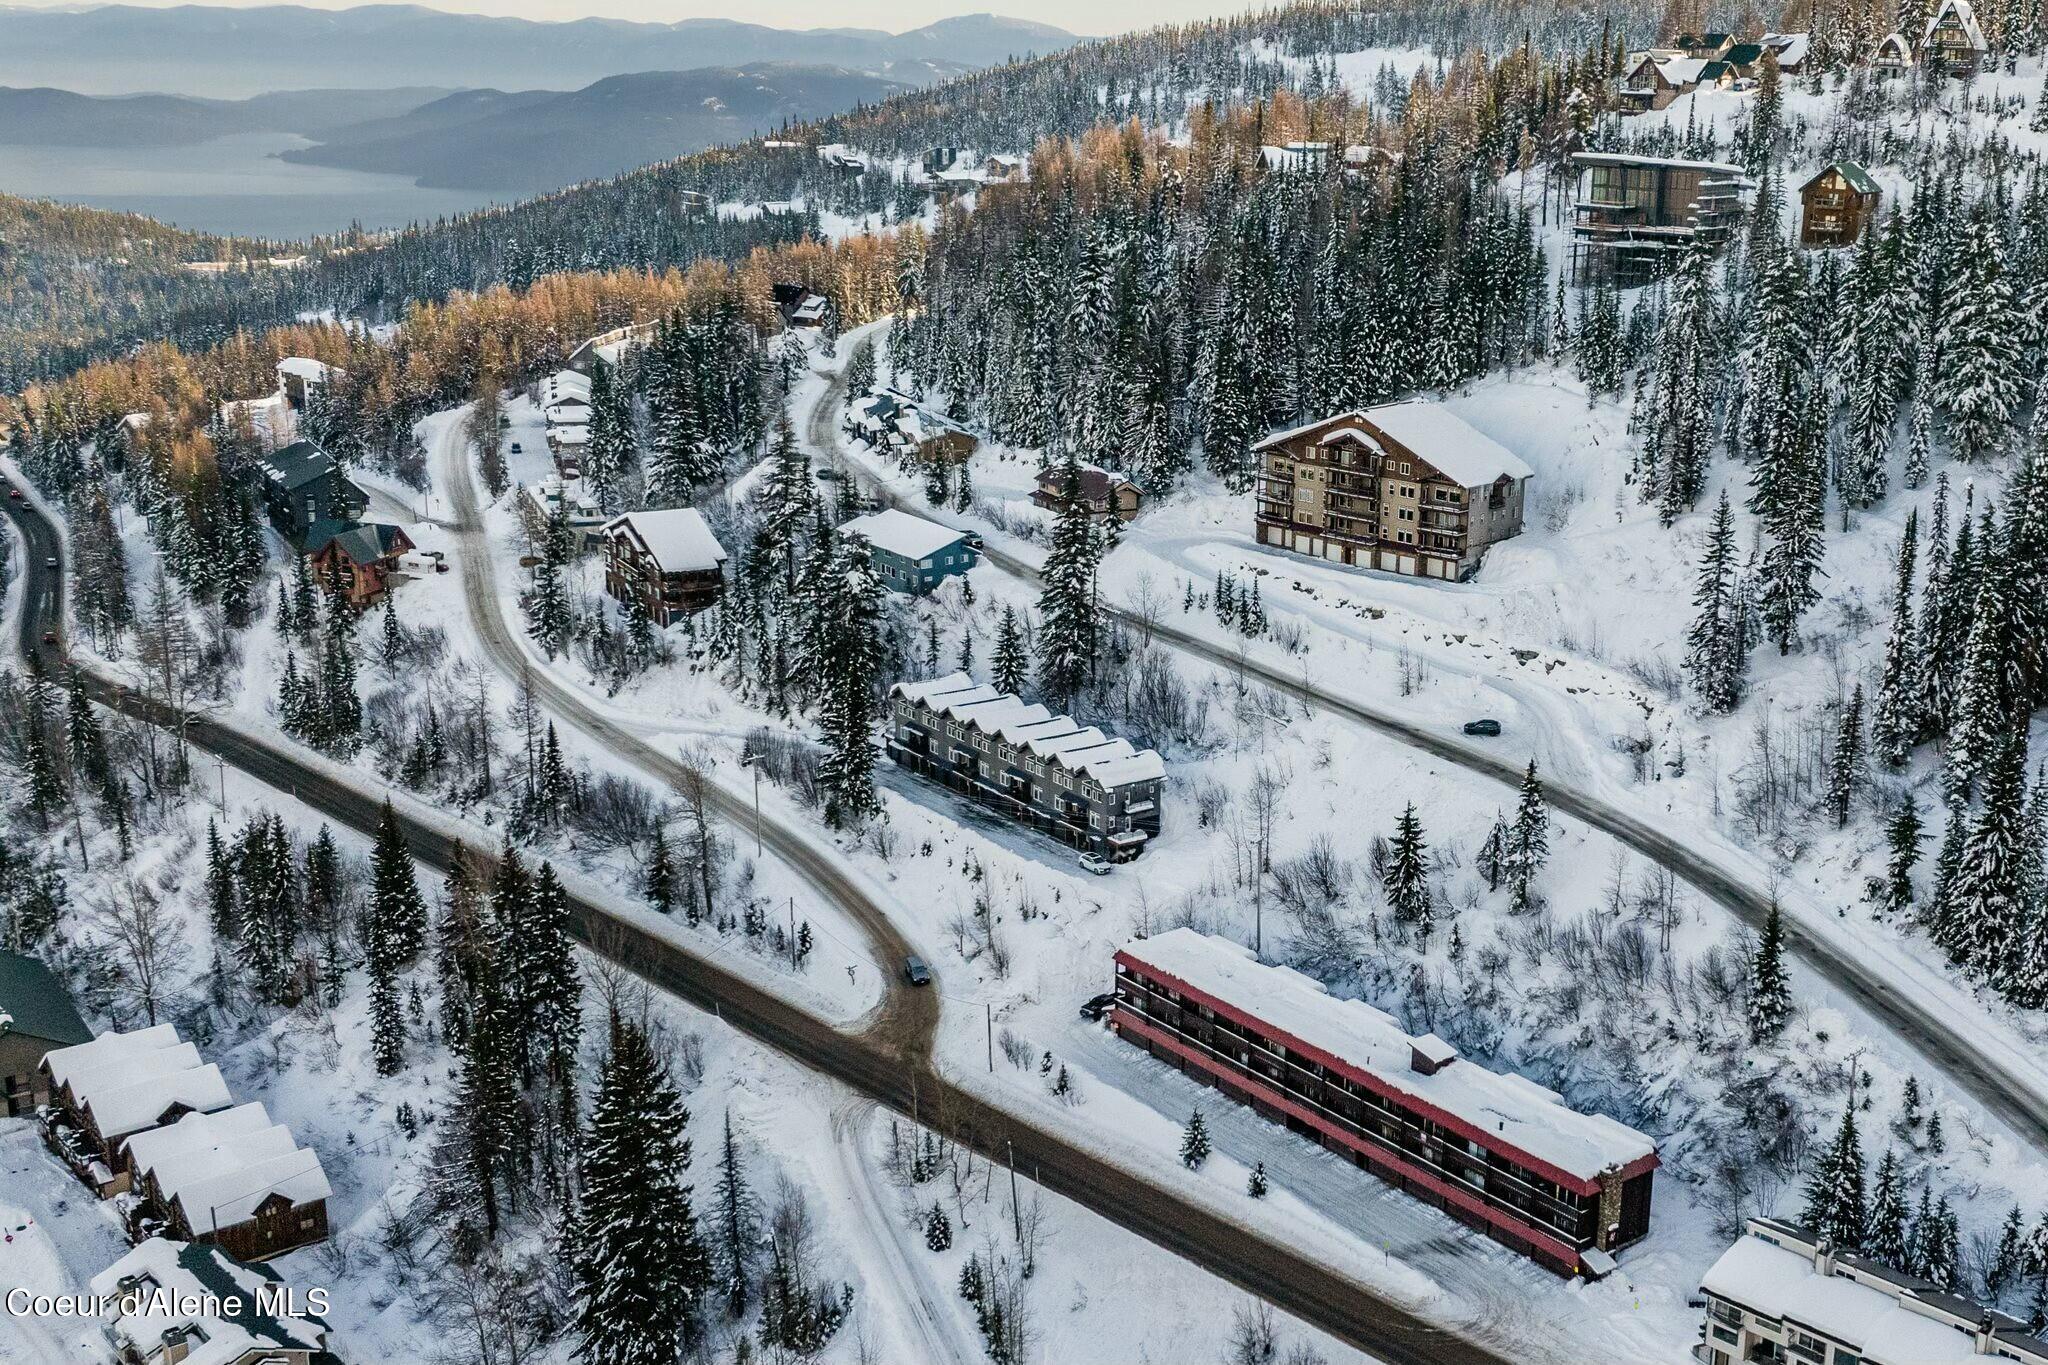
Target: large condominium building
1636, 215
1497, 1152
1406, 487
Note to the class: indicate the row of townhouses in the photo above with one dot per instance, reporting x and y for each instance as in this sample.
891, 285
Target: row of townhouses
1782, 1293
142, 1118
209, 1188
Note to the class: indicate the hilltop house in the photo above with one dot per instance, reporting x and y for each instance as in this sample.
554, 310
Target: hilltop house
1634, 215
1103, 492
800, 308
1784, 1293
1086, 788
300, 377
178, 1301
556, 496
668, 561
1837, 204
1406, 487
910, 554
895, 422
1954, 44
302, 484
353, 560
1893, 55
36, 1016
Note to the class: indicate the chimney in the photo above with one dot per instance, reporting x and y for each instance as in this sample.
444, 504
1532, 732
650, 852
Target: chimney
1430, 1054
1824, 1257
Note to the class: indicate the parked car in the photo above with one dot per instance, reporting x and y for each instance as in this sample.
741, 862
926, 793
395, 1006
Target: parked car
1489, 728
1096, 863
49, 637
1098, 1006
51, 563
915, 972
14, 493
518, 449
829, 473
973, 540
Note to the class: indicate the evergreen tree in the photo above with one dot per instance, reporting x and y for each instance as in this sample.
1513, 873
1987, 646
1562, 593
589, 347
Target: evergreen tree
1845, 772
1407, 879
1984, 909
1529, 841
737, 1217
1685, 366
1902, 838
658, 884
1770, 991
1980, 339
1494, 852
1835, 1203
1716, 654
396, 906
1884, 1237
860, 369
1194, 1141
1896, 724
641, 1268
938, 1230
846, 655
550, 987
221, 910
1067, 609
1256, 1186
387, 1020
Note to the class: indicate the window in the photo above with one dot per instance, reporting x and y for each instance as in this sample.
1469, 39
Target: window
1404, 466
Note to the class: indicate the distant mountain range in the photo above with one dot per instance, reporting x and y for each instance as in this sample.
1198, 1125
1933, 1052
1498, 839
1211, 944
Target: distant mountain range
530, 141
60, 118
225, 53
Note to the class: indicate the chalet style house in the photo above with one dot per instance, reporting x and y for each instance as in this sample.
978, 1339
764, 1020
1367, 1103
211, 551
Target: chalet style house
1894, 54
353, 561
1837, 205
180, 1301
1104, 493
1784, 1293
1497, 1152
899, 424
1407, 488
1635, 215
800, 308
120, 1084
666, 560
1083, 787
302, 484
910, 554
36, 1017
1954, 44
232, 1178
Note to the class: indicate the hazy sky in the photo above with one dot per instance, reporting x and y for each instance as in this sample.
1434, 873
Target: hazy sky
1077, 16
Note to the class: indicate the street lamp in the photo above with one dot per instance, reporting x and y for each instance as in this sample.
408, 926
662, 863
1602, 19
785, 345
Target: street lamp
754, 761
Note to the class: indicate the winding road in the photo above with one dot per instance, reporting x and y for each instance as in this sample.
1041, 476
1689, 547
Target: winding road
2019, 1098
887, 1060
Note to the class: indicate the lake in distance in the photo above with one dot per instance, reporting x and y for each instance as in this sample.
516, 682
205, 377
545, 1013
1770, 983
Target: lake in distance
229, 185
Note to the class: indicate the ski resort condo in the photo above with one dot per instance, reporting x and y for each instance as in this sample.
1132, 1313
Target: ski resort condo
1496, 1151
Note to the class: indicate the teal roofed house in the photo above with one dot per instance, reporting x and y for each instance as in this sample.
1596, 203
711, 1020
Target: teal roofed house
911, 554
36, 1016
302, 484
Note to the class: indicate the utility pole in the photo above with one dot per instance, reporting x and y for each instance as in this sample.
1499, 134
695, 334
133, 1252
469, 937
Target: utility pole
792, 933
1016, 1209
989, 1005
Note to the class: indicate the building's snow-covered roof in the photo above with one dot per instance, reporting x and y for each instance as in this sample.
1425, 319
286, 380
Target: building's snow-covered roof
1887, 1326
1673, 163
678, 537
120, 1110
195, 1133
192, 1274
900, 533
1682, 71
1966, 19
1108, 760
73, 1064
1511, 1111
305, 367
234, 1185
1791, 47
1432, 431
570, 434
1449, 442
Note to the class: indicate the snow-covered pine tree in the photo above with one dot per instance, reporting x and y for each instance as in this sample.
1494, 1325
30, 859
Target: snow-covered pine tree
1845, 768
1011, 662
1256, 1186
658, 882
1835, 1192
1902, 834
609, 454
551, 987
1407, 877
1895, 725
1682, 442
1529, 838
1066, 608
1194, 1141
735, 1213
1770, 990
938, 1230
860, 369
1991, 686
396, 906
1985, 908
641, 1268
845, 656
1716, 663
387, 1018
1982, 363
